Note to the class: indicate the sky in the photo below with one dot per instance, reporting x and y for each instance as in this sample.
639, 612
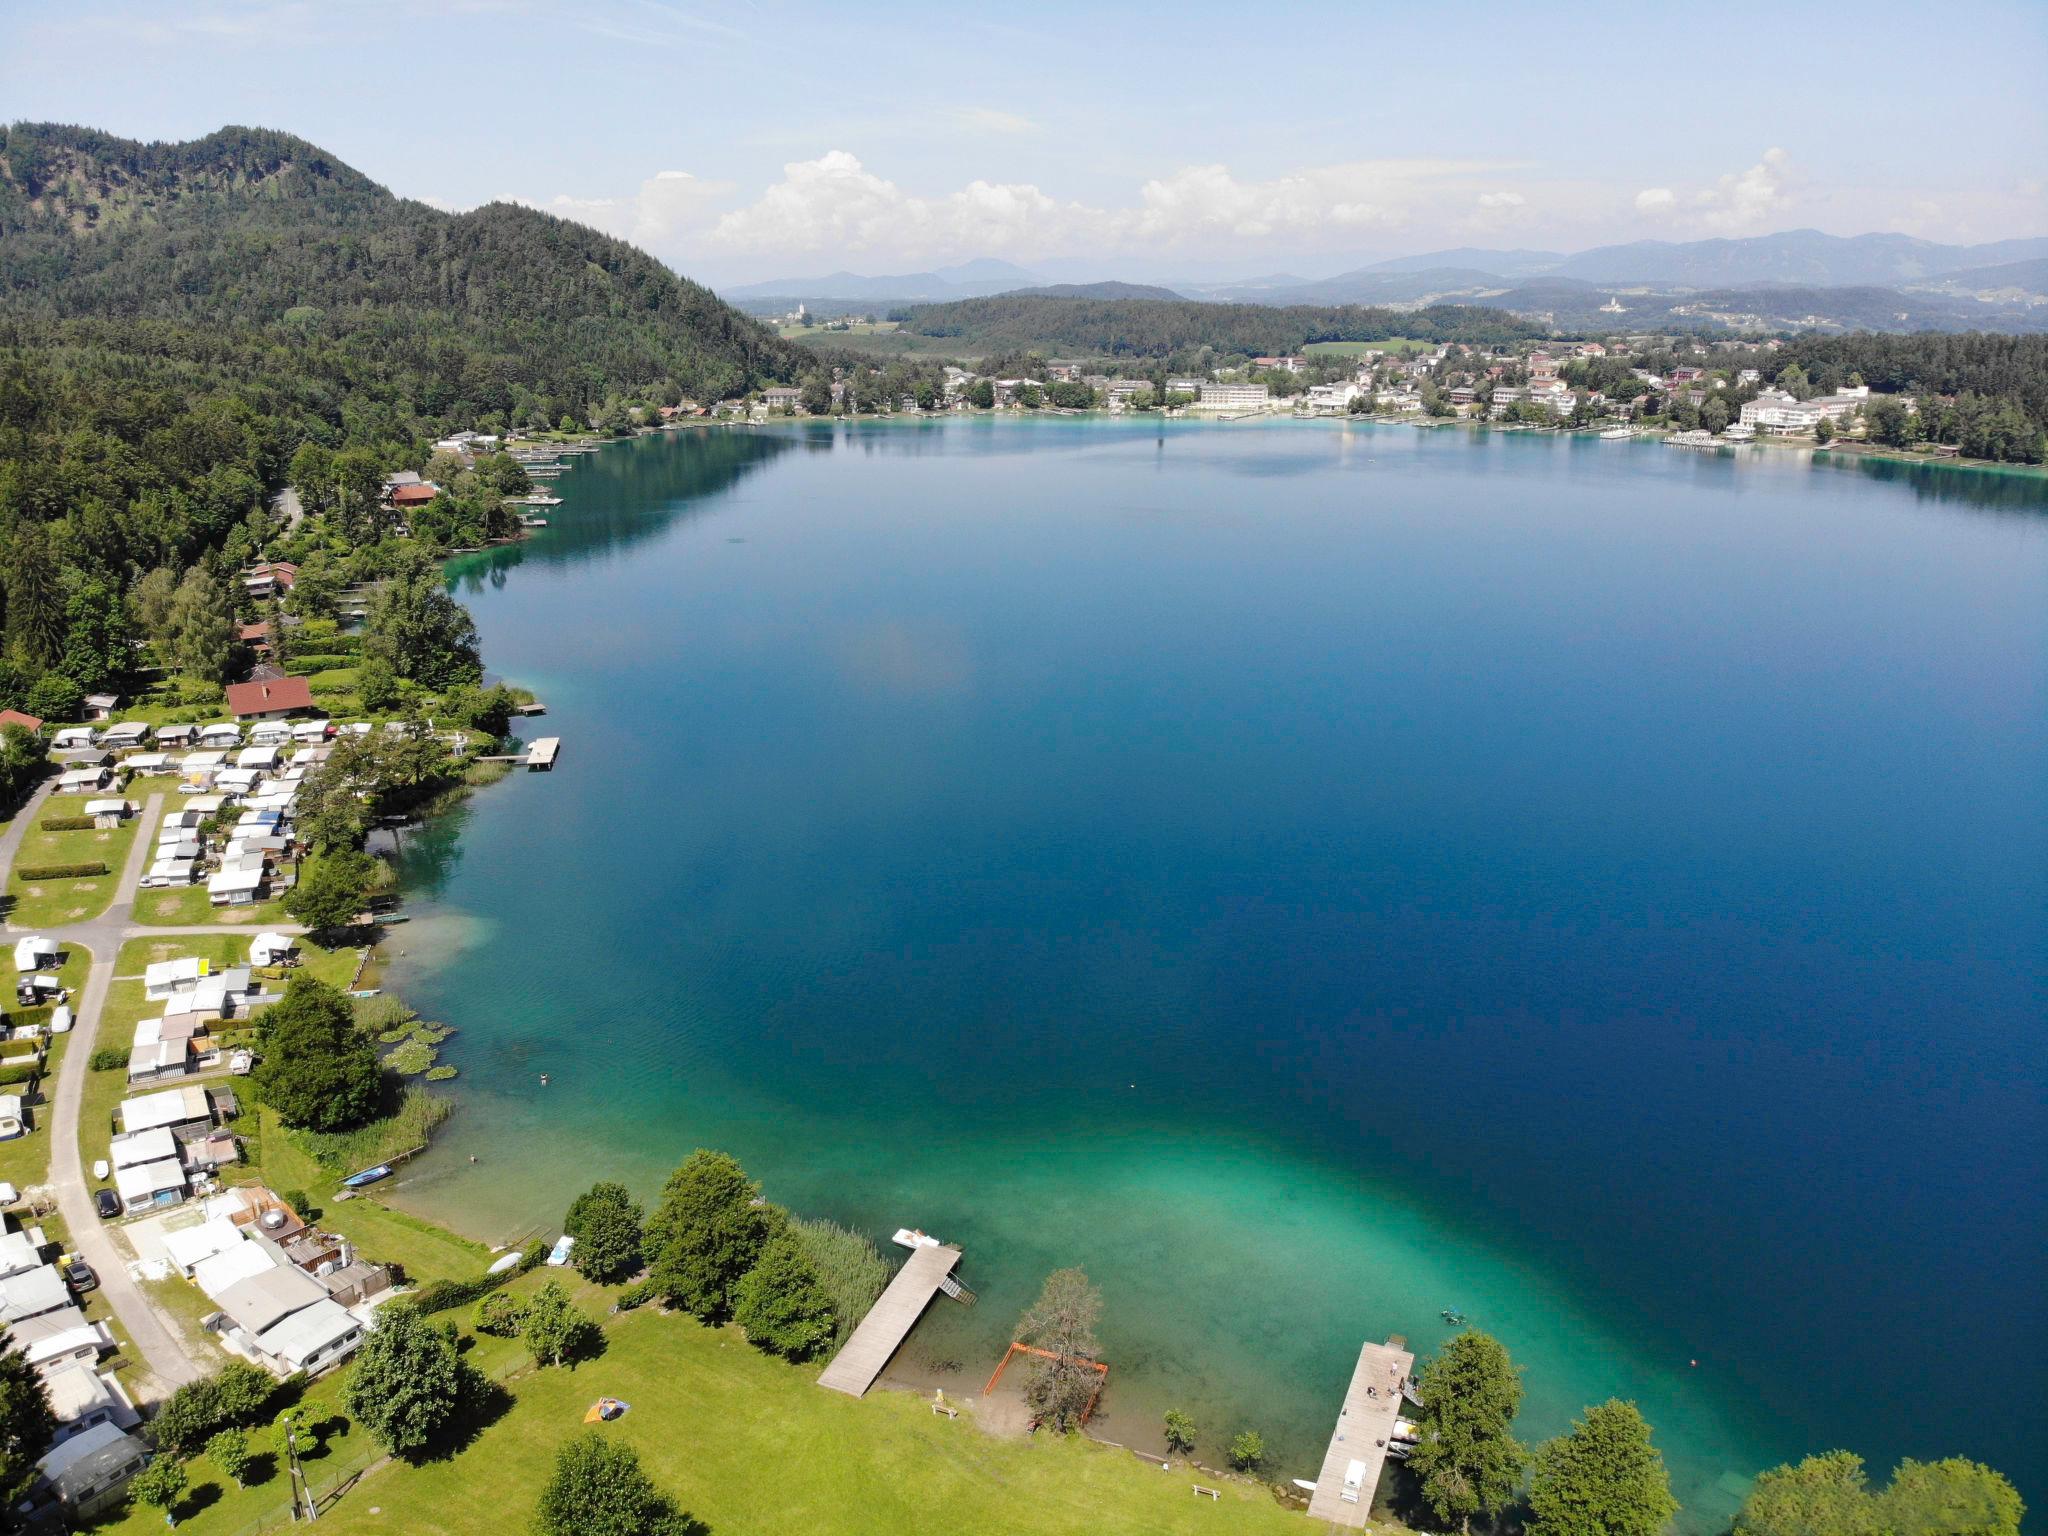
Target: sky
743, 142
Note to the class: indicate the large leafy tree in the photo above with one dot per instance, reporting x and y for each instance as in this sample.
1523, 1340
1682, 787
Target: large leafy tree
332, 888
1062, 1323
1951, 1497
202, 627
419, 631
1829, 1495
1605, 1478
781, 1303
553, 1329
318, 1070
605, 1221
26, 1422
36, 620
1467, 1458
706, 1233
598, 1488
408, 1383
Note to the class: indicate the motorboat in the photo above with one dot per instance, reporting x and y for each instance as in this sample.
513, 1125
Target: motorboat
911, 1237
367, 1177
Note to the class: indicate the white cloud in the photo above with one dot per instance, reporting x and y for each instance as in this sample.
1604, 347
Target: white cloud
669, 205
1742, 202
835, 204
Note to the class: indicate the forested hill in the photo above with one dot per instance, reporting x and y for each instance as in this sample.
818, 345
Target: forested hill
1160, 328
249, 239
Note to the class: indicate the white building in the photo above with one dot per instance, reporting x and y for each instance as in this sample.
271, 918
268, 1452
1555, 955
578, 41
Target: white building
1233, 397
1335, 398
1778, 414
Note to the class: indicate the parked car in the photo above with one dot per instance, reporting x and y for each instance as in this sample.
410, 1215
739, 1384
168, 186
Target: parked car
109, 1204
78, 1274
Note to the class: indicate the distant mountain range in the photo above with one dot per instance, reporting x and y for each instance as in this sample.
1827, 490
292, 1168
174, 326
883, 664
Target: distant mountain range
2002, 284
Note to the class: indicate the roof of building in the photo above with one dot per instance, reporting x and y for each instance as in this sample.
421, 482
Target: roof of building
271, 694
142, 1181
309, 1330
81, 1462
191, 1246
229, 1268
18, 1252
76, 1389
16, 717
167, 1106
264, 1300
32, 1293
151, 1146
412, 495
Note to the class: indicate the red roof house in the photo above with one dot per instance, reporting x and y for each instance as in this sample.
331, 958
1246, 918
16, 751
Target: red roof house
15, 717
413, 495
270, 699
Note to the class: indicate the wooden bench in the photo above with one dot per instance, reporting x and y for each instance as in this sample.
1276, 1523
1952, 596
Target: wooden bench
1206, 1493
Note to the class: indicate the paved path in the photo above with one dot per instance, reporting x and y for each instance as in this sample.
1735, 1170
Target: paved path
163, 1354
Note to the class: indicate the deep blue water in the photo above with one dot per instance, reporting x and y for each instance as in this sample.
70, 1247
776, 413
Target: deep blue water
1311, 875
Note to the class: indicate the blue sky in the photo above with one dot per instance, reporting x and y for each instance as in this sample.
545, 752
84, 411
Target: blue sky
747, 141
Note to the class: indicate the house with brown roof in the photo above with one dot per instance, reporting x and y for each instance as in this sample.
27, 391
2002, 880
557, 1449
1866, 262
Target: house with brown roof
28, 723
267, 579
413, 495
269, 699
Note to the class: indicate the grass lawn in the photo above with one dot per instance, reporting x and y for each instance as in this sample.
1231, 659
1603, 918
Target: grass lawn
51, 903
191, 906
747, 1444
426, 1252
1399, 346
26, 1159
819, 332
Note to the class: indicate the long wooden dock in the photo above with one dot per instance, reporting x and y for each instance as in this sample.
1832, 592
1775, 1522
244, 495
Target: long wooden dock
889, 1320
1358, 1447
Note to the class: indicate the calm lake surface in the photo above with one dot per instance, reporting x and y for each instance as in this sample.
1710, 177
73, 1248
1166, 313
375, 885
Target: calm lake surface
1311, 875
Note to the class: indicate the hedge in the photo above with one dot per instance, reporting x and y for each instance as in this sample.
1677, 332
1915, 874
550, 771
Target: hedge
107, 1057
27, 1072
443, 1295
305, 666
62, 871
22, 1018
66, 823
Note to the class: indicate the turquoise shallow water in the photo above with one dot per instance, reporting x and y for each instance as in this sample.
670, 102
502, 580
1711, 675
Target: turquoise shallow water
1311, 875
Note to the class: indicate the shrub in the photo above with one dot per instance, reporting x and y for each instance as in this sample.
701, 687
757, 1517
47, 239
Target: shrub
29, 1071
780, 1303
1247, 1450
66, 824
235, 1395
107, 1058
61, 871
498, 1315
22, 1018
554, 1330
598, 1489
850, 1270
1180, 1431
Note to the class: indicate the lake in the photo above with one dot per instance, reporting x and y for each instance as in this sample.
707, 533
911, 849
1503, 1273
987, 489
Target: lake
1311, 875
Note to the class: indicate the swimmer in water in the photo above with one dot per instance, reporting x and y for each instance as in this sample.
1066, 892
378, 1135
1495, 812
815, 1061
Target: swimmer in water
543, 1079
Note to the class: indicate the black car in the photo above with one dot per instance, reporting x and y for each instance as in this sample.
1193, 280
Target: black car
109, 1203
79, 1275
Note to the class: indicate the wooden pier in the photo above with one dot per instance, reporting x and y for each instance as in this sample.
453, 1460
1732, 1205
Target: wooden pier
890, 1320
1358, 1447
541, 755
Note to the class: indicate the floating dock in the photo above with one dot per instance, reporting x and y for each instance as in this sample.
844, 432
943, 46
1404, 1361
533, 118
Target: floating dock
541, 755
890, 1320
1358, 1447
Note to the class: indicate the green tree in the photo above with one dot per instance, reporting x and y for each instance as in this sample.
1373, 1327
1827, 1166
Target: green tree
1180, 1432
553, 1329
1824, 1495
236, 1394
1247, 1450
1062, 1323
26, 1422
1890, 422
23, 756
96, 633
332, 888
149, 605
705, 1234
317, 592
161, 1485
1467, 1457
780, 1303
1951, 1497
421, 633
202, 627
981, 394
36, 620
1605, 1478
598, 1488
56, 697
229, 1450
1824, 431
317, 1069
605, 1221
407, 1383
817, 394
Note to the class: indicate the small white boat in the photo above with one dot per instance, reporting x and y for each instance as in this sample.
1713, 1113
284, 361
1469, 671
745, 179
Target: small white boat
100, 1170
911, 1237
559, 1254
1615, 434
1304, 1485
507, 1261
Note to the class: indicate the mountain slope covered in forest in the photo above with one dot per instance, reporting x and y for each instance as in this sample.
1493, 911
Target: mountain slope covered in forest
256, 235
